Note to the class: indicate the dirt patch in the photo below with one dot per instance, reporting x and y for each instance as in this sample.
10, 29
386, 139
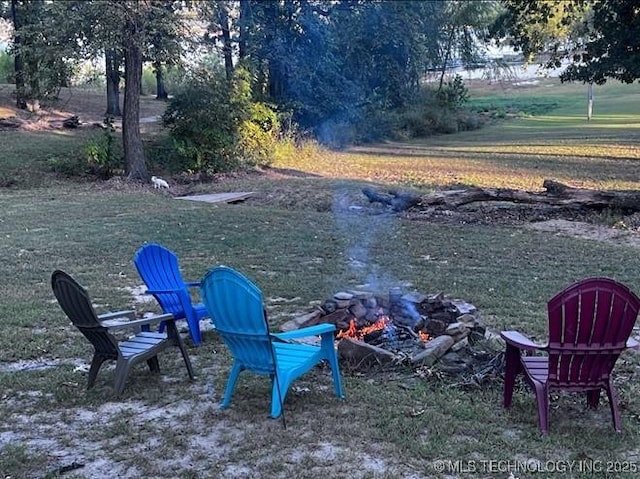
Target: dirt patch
582, 230
88, 106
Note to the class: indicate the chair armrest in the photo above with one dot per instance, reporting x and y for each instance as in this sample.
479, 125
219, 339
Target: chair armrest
632, 343
135, 323
520, 341
316, 330
127, 313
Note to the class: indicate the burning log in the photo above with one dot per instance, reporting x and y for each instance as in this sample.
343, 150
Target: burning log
556, 194
434, 349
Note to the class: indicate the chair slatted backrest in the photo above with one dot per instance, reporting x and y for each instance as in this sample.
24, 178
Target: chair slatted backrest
237, 305
76, 304
589, 324
159, 269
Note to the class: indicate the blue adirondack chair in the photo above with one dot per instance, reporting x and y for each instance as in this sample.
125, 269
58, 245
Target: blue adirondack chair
237, 305
159, 269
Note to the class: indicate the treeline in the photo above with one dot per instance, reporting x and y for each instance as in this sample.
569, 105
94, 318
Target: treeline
343, 71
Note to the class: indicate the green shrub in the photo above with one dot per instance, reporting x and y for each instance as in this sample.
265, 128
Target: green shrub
102, 157
453, 94
216, 126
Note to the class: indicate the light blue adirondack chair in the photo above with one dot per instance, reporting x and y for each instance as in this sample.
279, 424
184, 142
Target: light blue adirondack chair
159, 269
237, 305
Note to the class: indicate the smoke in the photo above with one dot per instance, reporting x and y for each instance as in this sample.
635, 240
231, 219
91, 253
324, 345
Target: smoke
363, 233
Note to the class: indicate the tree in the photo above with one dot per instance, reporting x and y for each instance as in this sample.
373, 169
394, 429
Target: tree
463, 25
601, 38
133, 41
165, 29
125, 31
43, 51
119, 30
21, 100
113, 60
611, 47
219, 31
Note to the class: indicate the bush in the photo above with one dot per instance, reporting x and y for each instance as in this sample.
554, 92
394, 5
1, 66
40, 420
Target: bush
216, 126
102, 157
453, 94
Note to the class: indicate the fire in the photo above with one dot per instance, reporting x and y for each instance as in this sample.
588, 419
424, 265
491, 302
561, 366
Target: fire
354, 332
424, 336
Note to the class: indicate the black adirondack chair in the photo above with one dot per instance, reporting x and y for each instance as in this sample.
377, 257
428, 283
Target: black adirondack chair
143, 346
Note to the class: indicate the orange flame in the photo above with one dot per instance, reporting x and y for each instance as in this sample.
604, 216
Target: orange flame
356, 333
424, 336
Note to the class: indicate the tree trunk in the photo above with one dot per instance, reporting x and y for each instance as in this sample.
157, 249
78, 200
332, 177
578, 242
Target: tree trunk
556, 194
243, 24
135, 166
161, 92
112, 69
223, 20
21, 94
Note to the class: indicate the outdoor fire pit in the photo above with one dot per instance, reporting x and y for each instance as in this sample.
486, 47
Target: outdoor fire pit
408, 328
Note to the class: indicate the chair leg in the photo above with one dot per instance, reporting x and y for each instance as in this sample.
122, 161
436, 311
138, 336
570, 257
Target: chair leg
172, 333
513, 367
96, 363
154, 364
330, 352
122, 371
542, 400
236, 369
593, 398
613, 404
187, 361
278, 393
194, 327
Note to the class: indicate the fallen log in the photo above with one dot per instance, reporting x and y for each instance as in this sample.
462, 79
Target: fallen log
556, 194
395, 200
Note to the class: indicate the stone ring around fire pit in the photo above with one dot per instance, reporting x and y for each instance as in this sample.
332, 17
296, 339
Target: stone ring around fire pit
411, 328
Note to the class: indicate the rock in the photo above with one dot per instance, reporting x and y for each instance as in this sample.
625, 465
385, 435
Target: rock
435, 298
343, 303
414, 297
435, 327
371, 302
455, 328
308, 319
463, 307
361, 295
460, 336
358, 310
463, 343
329, 306
467, 318
343, 296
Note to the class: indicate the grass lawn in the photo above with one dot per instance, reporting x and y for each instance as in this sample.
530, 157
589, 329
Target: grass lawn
300, 241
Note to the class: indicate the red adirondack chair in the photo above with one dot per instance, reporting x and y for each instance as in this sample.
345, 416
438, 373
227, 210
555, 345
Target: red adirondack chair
590, 324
